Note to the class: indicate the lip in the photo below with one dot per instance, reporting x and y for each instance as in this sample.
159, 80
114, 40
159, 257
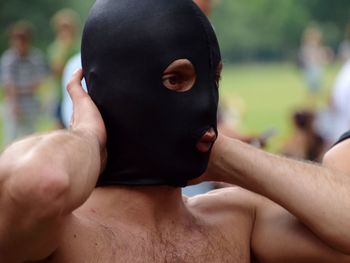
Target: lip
205, 143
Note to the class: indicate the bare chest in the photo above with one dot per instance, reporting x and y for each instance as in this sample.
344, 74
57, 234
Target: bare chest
172, 245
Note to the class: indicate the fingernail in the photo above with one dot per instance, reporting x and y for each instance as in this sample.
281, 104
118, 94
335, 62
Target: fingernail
75, 71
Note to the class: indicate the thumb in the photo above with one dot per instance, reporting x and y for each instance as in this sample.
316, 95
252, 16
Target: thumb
86, 116
74, 87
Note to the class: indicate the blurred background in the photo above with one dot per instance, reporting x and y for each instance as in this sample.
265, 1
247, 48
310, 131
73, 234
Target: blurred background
282, 62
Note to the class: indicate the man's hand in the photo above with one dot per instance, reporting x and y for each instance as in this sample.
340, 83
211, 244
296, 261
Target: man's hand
86, 118
212, 173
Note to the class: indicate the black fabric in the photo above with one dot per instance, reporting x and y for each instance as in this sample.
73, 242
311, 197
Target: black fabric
151, 131
344, 137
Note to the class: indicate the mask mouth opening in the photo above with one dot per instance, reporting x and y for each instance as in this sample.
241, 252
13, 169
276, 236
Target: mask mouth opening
207, 139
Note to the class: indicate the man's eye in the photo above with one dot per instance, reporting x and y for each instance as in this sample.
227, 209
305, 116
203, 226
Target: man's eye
173, 80
179, 82
179, 76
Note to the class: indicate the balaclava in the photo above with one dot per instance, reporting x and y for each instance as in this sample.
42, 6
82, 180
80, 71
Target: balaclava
151, 131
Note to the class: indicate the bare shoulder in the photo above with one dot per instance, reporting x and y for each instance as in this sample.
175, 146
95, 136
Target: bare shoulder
227, 208
337, 157
225, 199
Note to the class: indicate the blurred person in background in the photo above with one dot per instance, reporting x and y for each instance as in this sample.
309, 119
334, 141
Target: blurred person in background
313, 56
305, 142
334, 120
340, 101
65, 23
22, 70
344, 47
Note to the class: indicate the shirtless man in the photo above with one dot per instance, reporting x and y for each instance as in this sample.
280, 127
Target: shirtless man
52, 212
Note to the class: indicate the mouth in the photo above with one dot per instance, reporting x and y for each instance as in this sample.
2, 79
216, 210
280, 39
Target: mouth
205, 143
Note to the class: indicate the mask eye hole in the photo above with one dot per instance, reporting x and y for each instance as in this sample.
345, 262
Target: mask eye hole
218, 74
179, 76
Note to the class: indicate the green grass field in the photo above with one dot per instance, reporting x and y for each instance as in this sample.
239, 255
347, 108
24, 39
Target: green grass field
266, 95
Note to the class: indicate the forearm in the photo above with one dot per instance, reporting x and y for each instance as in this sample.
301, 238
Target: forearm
318, 196
61, 167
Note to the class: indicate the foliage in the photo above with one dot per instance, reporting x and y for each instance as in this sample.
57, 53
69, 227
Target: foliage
247, 29
268, 29
39, 13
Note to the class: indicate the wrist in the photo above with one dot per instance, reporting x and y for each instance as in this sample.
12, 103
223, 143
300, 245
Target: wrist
218, 159
97, 145
89, 138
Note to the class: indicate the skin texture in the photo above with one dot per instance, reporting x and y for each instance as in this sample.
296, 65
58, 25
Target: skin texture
52, 213
336, 157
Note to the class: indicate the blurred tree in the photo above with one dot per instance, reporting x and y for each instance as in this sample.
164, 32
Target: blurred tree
269, 29
39, 13
259, 28
337, 12
247, 29
332, 17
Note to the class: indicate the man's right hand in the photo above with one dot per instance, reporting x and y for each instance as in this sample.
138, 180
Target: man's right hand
86, 118
214, 172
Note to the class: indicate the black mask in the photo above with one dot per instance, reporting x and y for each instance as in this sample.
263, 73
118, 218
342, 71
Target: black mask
151, 131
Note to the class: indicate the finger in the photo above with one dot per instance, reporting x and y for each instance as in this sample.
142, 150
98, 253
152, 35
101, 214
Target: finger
74, 86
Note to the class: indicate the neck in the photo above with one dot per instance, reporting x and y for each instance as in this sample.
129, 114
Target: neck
140, 205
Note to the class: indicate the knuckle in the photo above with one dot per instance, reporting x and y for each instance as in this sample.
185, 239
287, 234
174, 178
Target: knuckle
70, 85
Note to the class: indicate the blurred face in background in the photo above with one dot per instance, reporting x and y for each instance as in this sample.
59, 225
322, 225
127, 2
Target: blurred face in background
66, 29
65, 22
20, 41
313, 36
